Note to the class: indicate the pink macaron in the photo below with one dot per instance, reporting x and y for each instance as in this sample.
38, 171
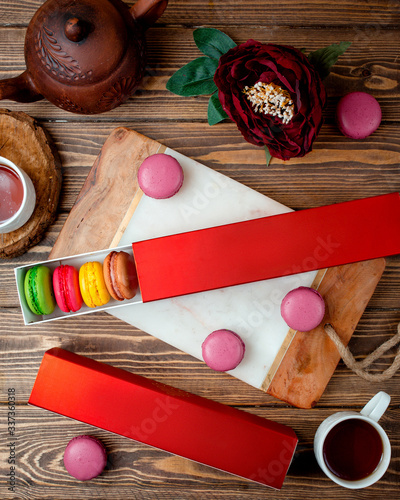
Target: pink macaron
223, 350
358, 115
303, 309
160, 176
85, 457
66, 288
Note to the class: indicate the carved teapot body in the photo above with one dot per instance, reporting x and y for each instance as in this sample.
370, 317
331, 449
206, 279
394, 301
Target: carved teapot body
85, 56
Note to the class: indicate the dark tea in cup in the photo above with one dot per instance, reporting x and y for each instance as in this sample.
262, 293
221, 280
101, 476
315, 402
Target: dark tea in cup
353, 449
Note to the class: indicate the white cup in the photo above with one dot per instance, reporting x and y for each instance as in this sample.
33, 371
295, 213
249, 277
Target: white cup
28, 201
371, 413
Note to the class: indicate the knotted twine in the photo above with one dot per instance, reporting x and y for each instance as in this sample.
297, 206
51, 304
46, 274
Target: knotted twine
359, 367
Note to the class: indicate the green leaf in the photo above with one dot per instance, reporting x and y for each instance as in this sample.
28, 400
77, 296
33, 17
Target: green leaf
268, 155
195, 78
215, 112
212, 42
324, 59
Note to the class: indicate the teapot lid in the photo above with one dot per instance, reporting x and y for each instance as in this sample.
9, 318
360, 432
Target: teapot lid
78, 42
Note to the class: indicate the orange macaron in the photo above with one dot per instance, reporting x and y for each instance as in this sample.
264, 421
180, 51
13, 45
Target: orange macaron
120, 275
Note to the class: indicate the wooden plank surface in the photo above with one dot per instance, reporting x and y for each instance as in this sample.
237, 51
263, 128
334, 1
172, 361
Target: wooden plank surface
248, 12
337, 170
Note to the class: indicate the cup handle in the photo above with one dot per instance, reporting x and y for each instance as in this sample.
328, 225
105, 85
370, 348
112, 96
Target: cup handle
377, 406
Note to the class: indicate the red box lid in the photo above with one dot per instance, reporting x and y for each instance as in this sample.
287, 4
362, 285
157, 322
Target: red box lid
159, 415
268, 247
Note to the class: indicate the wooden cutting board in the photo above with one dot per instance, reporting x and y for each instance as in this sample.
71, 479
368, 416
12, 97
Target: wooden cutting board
305, 362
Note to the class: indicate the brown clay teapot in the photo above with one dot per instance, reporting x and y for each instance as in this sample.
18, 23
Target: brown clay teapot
85, 56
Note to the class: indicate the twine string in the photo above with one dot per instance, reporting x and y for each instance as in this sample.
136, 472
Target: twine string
360, 367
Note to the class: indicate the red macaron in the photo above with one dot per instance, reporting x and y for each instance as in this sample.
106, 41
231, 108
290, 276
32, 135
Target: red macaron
66, 288
120, 275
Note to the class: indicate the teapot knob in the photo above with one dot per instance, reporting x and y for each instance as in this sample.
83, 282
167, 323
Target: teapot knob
75, 29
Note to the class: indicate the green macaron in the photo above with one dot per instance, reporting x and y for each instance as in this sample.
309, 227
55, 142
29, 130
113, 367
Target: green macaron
38, 289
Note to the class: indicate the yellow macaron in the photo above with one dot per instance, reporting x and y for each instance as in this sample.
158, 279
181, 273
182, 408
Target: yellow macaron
91, 282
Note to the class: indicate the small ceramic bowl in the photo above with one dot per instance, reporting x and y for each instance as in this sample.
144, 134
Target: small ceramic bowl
28, 201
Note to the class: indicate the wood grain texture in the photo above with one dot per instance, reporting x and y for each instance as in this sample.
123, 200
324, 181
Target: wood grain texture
312, 357
381, 13
137, 471
106, 196
338, 169
29, 147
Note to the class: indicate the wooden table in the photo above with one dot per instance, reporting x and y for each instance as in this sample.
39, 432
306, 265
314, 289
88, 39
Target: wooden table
338, 169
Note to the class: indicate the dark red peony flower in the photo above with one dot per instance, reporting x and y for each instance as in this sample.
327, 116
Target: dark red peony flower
274, 94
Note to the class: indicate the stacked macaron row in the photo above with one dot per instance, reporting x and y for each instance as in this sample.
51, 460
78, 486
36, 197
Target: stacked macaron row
94, 284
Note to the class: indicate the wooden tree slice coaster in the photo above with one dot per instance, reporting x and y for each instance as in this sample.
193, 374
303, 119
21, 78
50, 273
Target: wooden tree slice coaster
25, 142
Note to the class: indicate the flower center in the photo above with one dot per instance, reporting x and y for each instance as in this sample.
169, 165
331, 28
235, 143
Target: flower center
271, 100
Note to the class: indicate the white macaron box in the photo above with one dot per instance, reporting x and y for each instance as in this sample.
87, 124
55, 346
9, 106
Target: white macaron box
76, 261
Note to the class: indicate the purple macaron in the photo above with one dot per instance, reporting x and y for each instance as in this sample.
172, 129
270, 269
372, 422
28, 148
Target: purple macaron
358, 115
303, 309
85, 457
160, 176
223, 350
